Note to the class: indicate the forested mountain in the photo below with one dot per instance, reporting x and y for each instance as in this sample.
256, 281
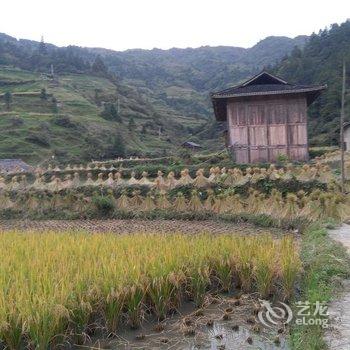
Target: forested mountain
154, 99
321, 62
183, 78
180, 78
203, 68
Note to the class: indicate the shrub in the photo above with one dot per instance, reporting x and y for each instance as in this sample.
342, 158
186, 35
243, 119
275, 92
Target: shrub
39, 139
110, 113
64, 121
282, 158
43, 94
16, 121
317, 152
8, 100
103, 204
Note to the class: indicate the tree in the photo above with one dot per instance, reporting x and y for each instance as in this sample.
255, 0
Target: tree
97, 97
42, 47
110, 113
113, 112
320, 62
144, 129
110, 147
132, 124
43, 94
8, 99
54, 105
99, 67
119, 146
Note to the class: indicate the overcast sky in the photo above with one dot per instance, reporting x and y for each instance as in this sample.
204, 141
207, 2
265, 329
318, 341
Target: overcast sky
127, 24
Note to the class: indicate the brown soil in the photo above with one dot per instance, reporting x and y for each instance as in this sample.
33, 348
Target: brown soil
134, 225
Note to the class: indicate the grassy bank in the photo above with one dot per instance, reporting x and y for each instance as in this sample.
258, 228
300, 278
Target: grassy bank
324, 262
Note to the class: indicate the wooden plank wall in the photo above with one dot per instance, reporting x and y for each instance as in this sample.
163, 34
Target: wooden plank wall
262, 128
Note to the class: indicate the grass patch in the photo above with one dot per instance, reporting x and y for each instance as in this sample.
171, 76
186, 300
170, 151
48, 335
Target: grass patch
324, 261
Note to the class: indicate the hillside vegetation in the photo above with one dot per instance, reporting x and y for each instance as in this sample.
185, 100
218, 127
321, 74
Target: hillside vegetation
68, 119
183, 78
101, 103
321, 62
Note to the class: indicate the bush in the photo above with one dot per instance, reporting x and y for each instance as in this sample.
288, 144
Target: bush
110, 113
291, 186
64, 121
43, 94
282, 159
54, 105
16, 121
38, 139
104, 205
318, 152
186, 155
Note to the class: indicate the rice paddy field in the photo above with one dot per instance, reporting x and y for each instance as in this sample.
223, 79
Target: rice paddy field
127, 263
56, 288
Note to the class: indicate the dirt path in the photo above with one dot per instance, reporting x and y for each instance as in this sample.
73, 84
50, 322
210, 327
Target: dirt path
338, 335
134, 225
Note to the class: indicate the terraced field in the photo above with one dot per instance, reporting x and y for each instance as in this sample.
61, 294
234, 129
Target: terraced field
36, 129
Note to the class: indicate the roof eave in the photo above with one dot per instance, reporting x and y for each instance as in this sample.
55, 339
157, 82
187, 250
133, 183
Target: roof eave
247, 82
266, 93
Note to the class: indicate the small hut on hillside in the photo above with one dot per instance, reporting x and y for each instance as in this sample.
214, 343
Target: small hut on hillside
266, 117
191, 145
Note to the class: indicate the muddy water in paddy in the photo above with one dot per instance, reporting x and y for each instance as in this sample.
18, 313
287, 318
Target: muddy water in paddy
207, 328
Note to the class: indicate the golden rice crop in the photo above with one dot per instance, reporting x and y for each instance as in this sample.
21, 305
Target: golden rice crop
55, 285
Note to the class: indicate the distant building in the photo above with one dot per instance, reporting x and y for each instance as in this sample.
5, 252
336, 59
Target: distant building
266, 117
13, 166
191, 145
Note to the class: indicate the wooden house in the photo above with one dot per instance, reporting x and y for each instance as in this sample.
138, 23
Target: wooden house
266, 117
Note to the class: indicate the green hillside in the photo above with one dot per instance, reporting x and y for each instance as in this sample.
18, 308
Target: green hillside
321, 62
183, 78
68, 125
102, 103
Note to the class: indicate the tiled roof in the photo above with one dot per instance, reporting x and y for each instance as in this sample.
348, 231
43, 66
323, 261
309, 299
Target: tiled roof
268, 89
14, 166
263, 84
191, 144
